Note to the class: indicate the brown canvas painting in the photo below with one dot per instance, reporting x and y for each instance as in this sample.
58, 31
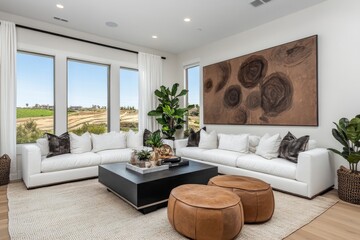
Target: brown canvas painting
275, 86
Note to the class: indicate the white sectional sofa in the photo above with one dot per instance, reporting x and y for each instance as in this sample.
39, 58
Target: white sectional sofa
38, 170
307, 178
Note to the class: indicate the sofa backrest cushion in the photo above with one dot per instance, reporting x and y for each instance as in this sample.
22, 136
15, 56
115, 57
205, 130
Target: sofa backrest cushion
111, 140
133, 139
236, 143
269, 146
208, 140
80, 144
43, 144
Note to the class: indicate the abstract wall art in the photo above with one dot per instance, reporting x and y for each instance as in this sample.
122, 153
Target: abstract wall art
275, 86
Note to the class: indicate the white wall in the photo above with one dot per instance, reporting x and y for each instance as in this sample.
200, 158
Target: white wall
337, 25
63, 48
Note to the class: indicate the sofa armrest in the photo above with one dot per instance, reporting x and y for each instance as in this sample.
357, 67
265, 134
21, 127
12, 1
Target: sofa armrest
314, 168
180, 143
31, 161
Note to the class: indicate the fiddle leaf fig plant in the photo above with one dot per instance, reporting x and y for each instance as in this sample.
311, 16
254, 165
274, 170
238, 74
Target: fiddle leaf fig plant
169, 114
347, 133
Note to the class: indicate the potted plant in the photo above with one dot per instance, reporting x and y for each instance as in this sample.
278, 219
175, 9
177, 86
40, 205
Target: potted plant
347, 133
169, 114
156, 142
143, 156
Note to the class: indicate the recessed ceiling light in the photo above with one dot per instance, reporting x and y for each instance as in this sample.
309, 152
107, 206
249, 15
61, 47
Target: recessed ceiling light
187, 19
59, 6
154, 36
111, 24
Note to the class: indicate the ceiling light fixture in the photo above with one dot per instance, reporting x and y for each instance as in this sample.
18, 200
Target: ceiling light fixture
111, 24
154, 36
187, 19
59, 6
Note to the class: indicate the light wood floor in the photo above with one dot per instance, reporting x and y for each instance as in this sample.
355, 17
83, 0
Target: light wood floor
341, 221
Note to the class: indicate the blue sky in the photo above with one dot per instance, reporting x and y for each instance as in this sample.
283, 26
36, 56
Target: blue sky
35, 83
194, 85
87, 83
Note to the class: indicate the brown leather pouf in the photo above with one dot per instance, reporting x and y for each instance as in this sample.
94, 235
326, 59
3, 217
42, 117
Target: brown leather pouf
205, 212
256, 196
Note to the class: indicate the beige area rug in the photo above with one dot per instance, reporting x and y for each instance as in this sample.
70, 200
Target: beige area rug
86, 210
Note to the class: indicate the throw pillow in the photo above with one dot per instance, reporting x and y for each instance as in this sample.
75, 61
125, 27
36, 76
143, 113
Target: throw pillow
146, 136
58, 144
43, 144
237, 143
194, 138
106, 141
80, 144
291, 146
253, 143
269, 146
208, 140
133, 139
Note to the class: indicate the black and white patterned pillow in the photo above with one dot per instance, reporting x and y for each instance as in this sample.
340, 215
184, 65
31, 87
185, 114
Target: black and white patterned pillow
194, 138
291, 146
58, 144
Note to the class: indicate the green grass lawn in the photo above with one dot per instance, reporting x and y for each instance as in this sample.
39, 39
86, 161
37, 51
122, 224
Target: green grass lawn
33, 112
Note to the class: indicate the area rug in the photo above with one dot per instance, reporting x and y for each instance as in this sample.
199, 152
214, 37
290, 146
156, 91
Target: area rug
86, 210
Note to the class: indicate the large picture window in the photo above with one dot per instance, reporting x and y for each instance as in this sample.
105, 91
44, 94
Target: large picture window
193, 97
129, 99
35, 96
87, 97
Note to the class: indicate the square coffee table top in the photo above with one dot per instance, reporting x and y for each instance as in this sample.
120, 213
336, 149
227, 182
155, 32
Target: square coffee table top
138, 178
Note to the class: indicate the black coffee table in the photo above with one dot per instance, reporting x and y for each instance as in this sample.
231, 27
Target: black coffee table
147, 192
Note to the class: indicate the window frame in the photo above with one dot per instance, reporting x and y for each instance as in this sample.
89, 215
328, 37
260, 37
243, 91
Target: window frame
53, 57
108, 92
186, 83
131, 69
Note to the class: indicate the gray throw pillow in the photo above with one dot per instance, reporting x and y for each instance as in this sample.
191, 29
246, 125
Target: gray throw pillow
58, 144
290, 147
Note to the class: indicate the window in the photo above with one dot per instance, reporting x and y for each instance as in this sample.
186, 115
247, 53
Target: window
87, 97
129, 99
193, 97
35, 96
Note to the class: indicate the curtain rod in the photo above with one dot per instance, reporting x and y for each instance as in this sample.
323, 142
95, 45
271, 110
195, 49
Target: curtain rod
79, 39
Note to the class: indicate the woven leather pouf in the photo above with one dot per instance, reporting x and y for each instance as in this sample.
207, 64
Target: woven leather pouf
256, 196
205, 212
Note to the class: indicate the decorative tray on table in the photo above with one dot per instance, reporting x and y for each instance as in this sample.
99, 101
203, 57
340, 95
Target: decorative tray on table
146, 170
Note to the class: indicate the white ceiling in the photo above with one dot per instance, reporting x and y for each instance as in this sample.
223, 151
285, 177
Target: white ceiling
138, 20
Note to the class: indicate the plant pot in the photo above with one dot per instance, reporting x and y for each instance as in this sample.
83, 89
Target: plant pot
348, 185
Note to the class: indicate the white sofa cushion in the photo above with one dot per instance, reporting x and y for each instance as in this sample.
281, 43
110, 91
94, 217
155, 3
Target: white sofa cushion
237, 143
220, 156
106, 141
115, 155
208, 140
191, 152
253, 143
134, 140
277, 166
43, 144
80, 144
269, 146
69, 161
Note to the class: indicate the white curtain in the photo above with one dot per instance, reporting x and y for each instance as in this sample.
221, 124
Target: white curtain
8, 92
150, 70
